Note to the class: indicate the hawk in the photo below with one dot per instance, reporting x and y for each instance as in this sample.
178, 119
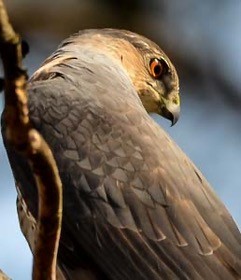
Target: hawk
135, 206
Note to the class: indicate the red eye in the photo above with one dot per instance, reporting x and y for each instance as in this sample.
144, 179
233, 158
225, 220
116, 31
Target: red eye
157, 68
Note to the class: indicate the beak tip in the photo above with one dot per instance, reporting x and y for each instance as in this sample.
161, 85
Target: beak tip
175, 118
171, 114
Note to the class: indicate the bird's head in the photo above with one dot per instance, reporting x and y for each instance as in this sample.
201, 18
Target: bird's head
152, 73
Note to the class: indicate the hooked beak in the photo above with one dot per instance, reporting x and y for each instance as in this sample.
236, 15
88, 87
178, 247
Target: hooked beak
172, 113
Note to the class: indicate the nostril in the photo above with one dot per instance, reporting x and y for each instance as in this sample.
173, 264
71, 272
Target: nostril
174, 97
175, 100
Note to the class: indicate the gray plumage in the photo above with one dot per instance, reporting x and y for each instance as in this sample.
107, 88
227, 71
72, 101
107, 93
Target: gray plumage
135, 207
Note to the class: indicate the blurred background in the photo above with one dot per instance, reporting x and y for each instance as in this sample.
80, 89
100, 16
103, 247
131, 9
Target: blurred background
203, 40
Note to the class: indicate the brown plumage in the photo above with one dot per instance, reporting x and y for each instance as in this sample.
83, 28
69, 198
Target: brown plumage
135, 207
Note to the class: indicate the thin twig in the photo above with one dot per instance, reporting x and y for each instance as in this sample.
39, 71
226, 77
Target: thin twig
25, 139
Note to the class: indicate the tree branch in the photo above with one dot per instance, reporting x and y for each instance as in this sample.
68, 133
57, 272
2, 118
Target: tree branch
3, 276
25, 139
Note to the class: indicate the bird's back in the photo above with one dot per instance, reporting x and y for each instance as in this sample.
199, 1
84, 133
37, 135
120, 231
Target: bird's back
135, 207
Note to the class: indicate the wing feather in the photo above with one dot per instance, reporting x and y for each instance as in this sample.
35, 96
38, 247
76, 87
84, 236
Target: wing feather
133, 202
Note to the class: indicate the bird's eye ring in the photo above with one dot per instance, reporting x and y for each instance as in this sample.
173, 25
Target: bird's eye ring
157, 68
